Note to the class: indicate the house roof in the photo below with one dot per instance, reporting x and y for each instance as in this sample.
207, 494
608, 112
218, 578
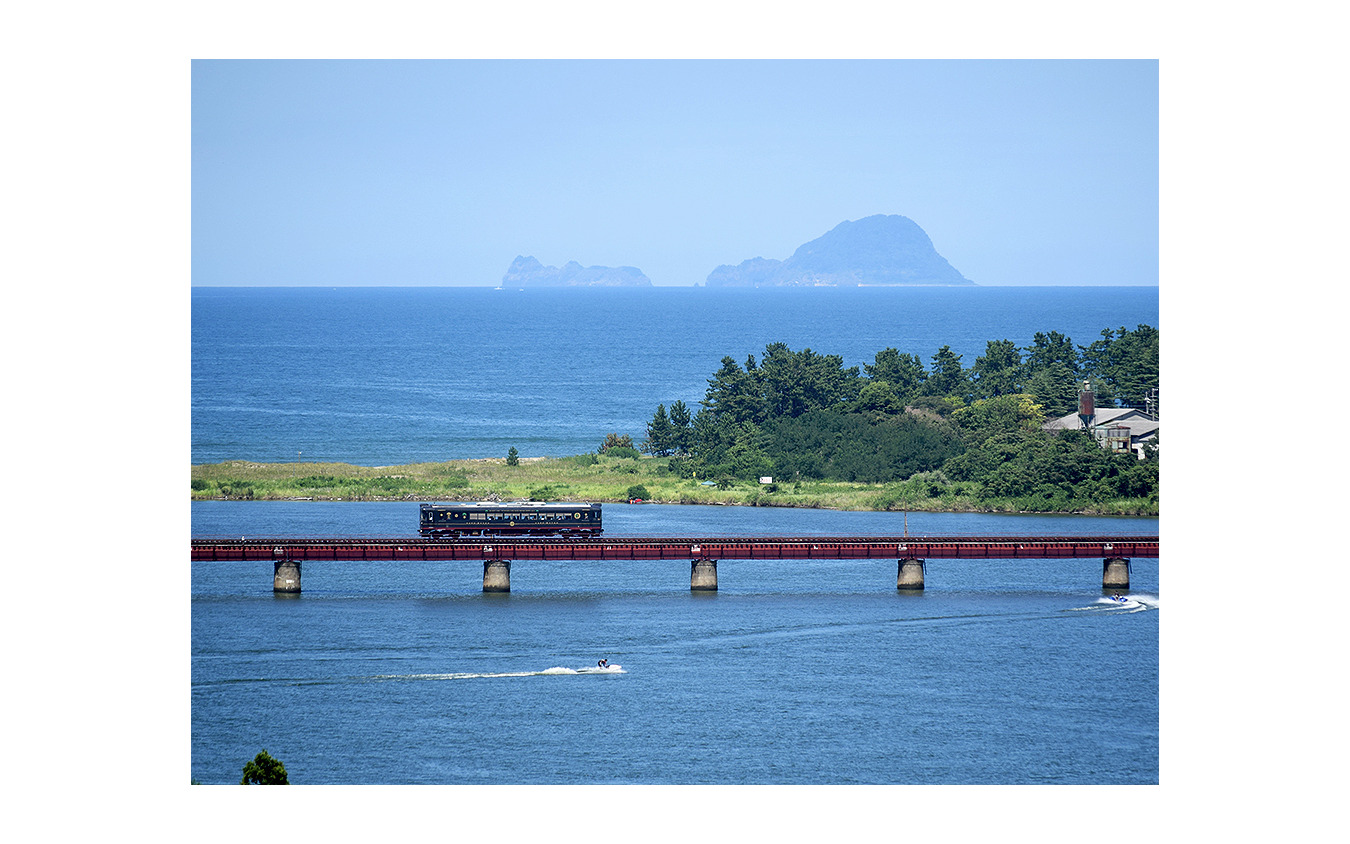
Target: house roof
1139, 422
1140, 428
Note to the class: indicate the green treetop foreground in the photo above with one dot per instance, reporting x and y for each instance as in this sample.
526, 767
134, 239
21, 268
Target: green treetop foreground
264, 770
901, 436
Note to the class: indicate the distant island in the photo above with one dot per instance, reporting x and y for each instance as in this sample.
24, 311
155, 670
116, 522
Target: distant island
881, 250
525, 271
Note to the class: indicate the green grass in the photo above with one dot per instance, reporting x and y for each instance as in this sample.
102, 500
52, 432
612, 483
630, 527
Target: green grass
596, 478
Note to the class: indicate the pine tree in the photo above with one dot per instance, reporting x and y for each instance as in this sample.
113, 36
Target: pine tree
659, 434
997, 372
681, 428
947, 378
903, 372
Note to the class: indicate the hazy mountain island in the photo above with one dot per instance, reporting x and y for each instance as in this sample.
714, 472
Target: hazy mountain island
527, 272
878, 250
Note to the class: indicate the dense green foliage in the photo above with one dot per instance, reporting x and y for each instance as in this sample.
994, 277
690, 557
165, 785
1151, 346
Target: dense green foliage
802, 415
669, 434
264, 770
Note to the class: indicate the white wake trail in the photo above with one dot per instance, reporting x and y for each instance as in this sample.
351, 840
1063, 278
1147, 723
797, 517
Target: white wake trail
547, 672
1126, 604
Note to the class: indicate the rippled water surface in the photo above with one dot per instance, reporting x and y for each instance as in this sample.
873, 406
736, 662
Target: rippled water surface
792, 672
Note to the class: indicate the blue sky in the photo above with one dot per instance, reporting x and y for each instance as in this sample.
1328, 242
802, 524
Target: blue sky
441, 172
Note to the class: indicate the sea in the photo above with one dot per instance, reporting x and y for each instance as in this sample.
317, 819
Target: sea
386, 376
999, 672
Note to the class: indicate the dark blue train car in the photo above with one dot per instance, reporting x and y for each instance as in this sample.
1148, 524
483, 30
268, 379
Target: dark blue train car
515, 518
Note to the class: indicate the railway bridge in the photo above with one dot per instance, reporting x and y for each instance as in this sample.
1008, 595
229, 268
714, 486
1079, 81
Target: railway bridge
497, 553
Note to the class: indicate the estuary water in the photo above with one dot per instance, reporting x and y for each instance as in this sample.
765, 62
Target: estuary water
793, 672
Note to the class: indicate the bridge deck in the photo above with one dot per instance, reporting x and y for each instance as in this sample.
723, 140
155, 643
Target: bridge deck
673, 548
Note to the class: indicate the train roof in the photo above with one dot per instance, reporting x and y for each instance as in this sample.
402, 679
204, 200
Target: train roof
492, 505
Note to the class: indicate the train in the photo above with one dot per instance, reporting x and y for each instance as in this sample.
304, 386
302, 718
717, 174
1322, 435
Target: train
515, 518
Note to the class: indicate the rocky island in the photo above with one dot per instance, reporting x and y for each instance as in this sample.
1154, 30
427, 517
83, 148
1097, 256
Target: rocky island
888, 250
525, 271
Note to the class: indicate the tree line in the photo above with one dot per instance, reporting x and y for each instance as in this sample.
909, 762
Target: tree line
800, 414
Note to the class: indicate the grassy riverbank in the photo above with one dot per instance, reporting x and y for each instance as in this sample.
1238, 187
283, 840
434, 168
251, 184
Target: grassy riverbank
600, 478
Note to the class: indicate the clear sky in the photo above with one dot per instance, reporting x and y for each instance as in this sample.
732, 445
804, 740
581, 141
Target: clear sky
441, 172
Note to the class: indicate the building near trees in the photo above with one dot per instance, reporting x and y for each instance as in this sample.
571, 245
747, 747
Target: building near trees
1116, 428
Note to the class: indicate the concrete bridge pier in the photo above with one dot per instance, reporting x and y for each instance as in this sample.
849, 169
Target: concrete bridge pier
286, 576
703, 575
910, 574
1115, 573
496, 575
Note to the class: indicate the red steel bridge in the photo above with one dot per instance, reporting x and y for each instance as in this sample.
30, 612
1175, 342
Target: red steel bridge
496, 553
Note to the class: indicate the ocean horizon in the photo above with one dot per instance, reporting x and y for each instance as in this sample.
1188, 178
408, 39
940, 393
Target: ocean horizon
391, 375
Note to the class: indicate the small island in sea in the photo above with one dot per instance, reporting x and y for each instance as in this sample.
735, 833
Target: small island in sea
526, 271
881, 250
